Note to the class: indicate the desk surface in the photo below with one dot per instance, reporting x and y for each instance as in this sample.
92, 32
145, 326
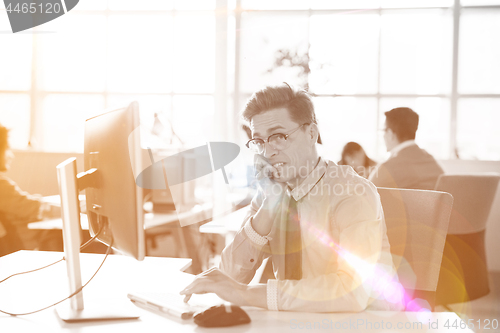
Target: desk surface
151, 220
229, 223
120, 275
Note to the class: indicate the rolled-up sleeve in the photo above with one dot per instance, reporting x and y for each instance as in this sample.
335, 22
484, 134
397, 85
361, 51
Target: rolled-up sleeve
359, 220
244, 255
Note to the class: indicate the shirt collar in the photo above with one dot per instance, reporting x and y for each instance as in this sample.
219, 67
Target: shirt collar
395, 151
311, 180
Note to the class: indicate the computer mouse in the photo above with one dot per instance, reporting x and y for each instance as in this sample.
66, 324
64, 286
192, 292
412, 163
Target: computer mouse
222, 316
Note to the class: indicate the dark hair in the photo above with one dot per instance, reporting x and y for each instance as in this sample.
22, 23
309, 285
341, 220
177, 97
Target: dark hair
403, 122
352, 147
296, 101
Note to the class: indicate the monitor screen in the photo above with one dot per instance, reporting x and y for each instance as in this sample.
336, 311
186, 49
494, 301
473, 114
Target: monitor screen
115, 204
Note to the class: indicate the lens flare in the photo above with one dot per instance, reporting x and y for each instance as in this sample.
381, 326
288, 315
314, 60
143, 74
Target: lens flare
379, 280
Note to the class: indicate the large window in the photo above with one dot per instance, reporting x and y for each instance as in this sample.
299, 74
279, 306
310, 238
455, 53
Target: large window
359, 58
362, 58
105, 54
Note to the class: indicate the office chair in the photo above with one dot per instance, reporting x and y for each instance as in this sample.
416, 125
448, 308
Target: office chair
464, 272
417, 223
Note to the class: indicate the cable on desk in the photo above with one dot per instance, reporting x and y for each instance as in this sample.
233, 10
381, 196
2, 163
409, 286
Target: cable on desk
73, 294
87, 243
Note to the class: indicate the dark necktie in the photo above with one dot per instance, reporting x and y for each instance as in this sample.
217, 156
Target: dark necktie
293, 245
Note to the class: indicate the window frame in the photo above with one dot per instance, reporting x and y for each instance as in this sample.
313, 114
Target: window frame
453, 96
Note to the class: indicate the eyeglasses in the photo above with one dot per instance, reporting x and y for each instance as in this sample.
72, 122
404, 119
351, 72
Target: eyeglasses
278, 141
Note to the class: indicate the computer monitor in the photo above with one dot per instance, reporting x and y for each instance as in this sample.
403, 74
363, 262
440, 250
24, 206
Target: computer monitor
114, 201
116, 204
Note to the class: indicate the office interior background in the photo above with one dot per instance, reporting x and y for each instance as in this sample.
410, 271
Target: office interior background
194, 63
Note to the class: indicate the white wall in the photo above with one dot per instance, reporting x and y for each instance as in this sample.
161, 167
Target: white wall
493, 224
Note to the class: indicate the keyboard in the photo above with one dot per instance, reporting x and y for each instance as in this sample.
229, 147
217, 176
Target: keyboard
167, 303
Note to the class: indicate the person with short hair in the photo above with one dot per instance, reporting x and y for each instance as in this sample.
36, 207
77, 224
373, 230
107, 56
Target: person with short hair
408, 166
320, 224
354, 155
17, 208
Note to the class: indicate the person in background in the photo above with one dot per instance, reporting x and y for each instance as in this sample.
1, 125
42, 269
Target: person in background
354, 155
17, 208
408, 165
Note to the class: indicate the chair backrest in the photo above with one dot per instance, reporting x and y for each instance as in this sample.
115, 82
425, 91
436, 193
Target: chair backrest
473, 197
417, 223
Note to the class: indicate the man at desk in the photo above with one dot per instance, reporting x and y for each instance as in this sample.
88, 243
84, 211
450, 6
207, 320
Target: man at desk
17, 207
321, 224
408, 166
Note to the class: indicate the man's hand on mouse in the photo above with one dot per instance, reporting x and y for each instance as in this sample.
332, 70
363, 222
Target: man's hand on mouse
215, 281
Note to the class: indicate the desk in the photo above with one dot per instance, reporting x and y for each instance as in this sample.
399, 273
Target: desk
155, 224
56, 223
151, 221
120, 275
227, 225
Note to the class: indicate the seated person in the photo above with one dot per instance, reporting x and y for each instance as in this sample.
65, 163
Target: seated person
354, 155
408, 166
17, 208
321, 224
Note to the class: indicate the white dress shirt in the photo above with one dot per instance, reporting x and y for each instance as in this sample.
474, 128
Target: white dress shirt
345, 250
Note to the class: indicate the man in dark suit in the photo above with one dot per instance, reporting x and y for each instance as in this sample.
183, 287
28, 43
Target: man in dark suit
408, 166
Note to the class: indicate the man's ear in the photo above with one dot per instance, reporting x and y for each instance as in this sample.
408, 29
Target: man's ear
313, 133
392, 135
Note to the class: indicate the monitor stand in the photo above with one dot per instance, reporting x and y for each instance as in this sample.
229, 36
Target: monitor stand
73, 310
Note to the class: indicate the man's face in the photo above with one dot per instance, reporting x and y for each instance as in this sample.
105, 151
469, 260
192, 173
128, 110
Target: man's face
290, 162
